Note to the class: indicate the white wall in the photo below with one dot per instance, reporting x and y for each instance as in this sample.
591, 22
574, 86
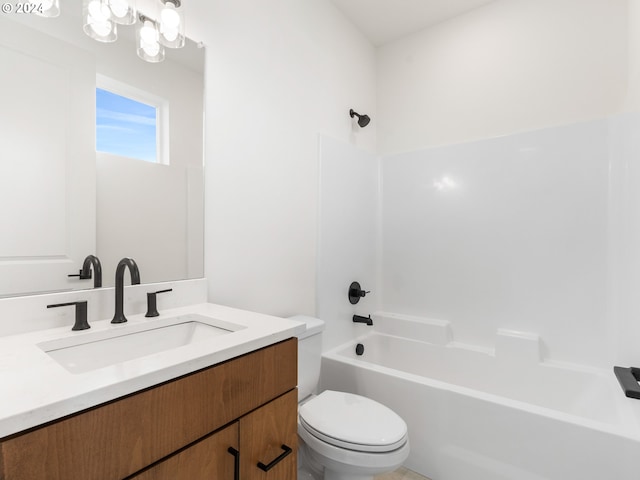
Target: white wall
510, 66
347, 238
278, 73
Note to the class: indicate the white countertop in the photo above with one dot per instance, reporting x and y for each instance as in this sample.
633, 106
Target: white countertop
35, 389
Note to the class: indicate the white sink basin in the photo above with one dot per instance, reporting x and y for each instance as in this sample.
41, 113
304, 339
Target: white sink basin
80, 354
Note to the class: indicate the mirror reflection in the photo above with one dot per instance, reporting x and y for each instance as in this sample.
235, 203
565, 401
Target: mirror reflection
102, 154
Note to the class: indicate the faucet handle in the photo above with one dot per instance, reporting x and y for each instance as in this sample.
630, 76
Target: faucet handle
356, 292
81, 322
152, 303
81, 275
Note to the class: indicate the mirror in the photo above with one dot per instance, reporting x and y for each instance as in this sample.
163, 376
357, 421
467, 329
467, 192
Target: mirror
60, 200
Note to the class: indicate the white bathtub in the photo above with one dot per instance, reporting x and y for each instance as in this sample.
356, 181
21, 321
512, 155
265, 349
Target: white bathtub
473, 416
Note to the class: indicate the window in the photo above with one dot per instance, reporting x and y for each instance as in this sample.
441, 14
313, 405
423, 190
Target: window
130, 122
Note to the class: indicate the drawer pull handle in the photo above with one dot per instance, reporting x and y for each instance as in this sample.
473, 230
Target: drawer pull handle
266, 468
236, 463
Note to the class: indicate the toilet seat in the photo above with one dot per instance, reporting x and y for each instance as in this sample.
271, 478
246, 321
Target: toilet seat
353, 422
340, 459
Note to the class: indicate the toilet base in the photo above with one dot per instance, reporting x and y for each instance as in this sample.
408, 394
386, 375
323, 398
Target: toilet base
308, 468
304, 474
327, 466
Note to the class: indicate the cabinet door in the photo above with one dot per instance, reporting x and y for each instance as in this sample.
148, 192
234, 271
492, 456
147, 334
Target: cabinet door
48, 167
266, 435
205, 460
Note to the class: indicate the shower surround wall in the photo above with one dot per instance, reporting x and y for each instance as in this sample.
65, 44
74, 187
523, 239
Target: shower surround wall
533, 232
509, 232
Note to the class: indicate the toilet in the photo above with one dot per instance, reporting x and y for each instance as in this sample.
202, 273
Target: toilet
342, 436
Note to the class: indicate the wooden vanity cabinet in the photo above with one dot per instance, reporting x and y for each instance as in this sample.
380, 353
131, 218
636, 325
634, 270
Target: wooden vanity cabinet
181, 429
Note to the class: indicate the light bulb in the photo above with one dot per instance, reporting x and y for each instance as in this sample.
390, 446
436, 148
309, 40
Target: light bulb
170, 33
171, 24
119, 8
102, 29
169, 17
98, 11
148, 32
152, 49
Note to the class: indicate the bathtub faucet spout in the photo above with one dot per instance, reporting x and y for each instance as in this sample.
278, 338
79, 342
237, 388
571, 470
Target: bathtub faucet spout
359, 319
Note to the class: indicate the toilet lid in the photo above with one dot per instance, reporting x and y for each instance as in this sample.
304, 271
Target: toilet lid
352, 421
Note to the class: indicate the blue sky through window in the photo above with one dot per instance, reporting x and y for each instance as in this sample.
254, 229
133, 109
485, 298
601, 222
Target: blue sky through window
125, 127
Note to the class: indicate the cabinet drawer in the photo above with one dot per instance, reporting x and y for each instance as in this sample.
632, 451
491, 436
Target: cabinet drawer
122, 437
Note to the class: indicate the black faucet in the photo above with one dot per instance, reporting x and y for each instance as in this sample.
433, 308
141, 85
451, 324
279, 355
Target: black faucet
359, 319
85, 273
119, 317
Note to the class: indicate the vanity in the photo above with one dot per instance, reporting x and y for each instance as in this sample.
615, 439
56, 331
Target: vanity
201, 391
221, 406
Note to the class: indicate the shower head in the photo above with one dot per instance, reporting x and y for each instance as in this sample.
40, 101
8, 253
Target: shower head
363, 120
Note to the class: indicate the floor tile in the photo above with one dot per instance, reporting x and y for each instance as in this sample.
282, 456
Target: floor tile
401, 474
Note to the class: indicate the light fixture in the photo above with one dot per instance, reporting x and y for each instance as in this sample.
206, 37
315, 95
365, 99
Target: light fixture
101, 18
172, 24
48, 8
98, 22
123, 12
148, 41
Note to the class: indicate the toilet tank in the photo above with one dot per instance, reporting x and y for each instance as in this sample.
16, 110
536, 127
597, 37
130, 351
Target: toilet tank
309, 355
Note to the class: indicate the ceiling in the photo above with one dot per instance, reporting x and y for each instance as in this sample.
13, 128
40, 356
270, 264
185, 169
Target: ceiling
383, 21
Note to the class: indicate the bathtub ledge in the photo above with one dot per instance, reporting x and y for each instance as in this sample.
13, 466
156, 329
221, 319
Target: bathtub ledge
430, 330
523, 348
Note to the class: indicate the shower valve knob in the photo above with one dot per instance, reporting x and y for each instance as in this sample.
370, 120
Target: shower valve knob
356, 293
